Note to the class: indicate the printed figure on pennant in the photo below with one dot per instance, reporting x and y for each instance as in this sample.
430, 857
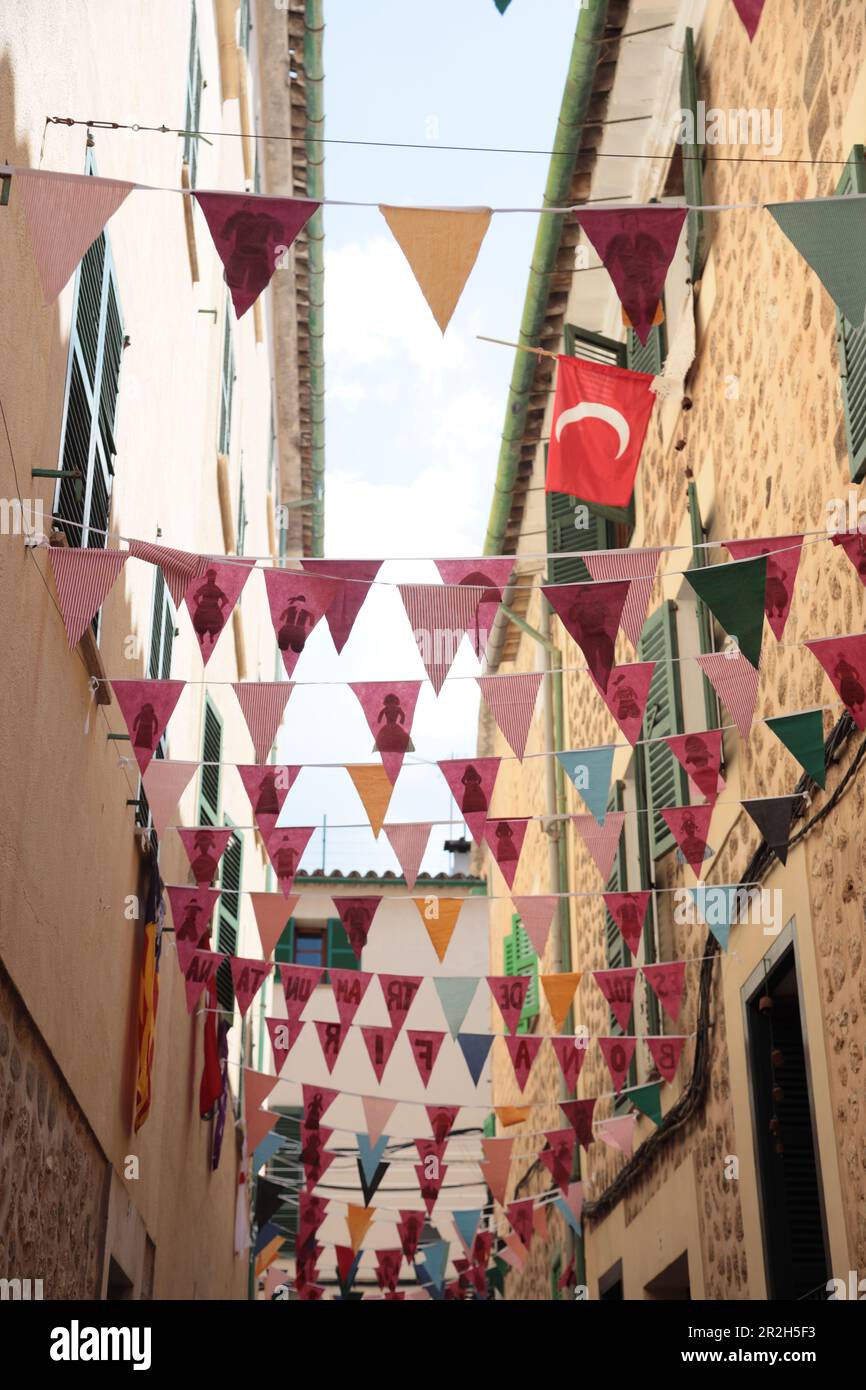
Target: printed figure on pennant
251, 238
145, 727
473, 799
295, 625
208, 602
392, 737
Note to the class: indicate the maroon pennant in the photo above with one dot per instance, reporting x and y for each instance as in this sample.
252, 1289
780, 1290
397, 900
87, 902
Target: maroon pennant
442, 1120
191, 911
283, 1033
355, 578
389, 708
297, 602
750, 13
626, 696
248, 976
285, 846
409, 843
267, 788
399, 992
854, 545
331, 1039
380, 1044
263, 704
212, 597
505, 839
471, 781
317, 1102
178, 567
571, 1055
252, 235
487, 579
579, 1115
844, 660
510, 993
590, 614
666, 1052
617, 986
388, 1263
511, 700
147, 707
559, 1158
298, 983
783, 560
636, 247
700, 756
314, 1156
349, 988
522, 1216
356, 915
628, 911
430, 1172
425, 1045
523, 1049
666, 981
199, 971
83, 578
312, 1211
618, 1053
409, 1228
204, 847
690, 826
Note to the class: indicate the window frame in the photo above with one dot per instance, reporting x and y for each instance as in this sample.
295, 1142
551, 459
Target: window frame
194, 92
208, 814
519, 958
227, 382
666, 668
853, 180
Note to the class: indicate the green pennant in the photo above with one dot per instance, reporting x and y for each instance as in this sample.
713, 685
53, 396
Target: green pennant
734, 594
803, 735
502, 5
648, 1100
830, 234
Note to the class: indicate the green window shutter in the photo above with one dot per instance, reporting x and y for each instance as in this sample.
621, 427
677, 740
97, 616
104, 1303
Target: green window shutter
565, 534
520, 959
227, 382
489, 1128
617, 953
228, 925
666, 783
285, 1167
693, 167
285, 948
194, 86
242, 517
158, 668
851, 342
705, 625
211, 752
648, 356
340, 954
244, 26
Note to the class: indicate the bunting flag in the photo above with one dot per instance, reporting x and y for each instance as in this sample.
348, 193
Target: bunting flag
410, 1228
589, 771
65, 213
750, 13
559, 991
637, 566
579, 1115
164, 784
511, 700
783, 560
379, 1043
146, 707
267, 788
773, 815
502, 5
252, 235
617, 986
374, 787
298, 983
717, 904
355, 579
389, 708
436, 1260
272, 917
439, 916
211, 600
648, 1100
430, 1173
297, 602
844, 658
636, 247
399, 993
317, 1102
666, 980
599, 423
736, 594
628, 911
349, 988
571, 1206
523, 1050
618, 1054
509, 992
248, 976
591, 613
370, 1186
471, 782
440, 614
371, 1153
475, 1048
521, 1216
204, 847
331, 1039
827, 232
455, 995
388, 1269
441, 246
283, 1033
618, 1133
690, 827
263, 704
487, 579
558, 1159
312, 1211
627, 694
466, 1222
179, 568
602, 842
536, 916
285, 846
803, 736
347, 1266
854, 545
425, 1045
356, 915
358, 1220
377, 1113
505, 839
257, 1087
666, 1053
442, 1120
735, 681
570, 1053
409, 843
269, 1196
83, 579
497, 1165
700, 756
191, 913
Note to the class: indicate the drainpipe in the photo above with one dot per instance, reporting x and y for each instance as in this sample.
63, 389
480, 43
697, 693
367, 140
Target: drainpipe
569, 130
314, 28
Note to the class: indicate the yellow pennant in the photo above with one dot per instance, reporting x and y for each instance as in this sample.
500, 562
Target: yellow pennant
441, 246
358, 1220
374, 788
512, 1114
439, 916
559, 990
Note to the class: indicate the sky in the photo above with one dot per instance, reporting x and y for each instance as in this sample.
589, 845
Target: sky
414, 419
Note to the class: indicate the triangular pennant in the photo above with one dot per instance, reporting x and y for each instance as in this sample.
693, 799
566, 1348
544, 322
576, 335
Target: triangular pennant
379, 1043
536, 915
520, 1214
509, 992
509, 1115
205, 846
83, 579
410, 1228
628, 911
598, 426
773, 815
425, 1045
347, 1266
212, 598
440, 614
700, 756
331, 1039
558, 1159
505, 839
648, 1100
844, 658
436, 1260
455, 995
441, 246
315, 1155
591, 613
146, 707
497, 1166
523, 1050
471, 782
283, 1033
636, 247
783, 560
263, 704
178, 567
349, 988
487, 579
511, 700
618, 1133
358, 1220
618, 1054
399, 993
377, 1113
638, 566
370, 1186
356, 915
374, 787
559, 991
409, 843
272, 917
285, 845
317, 1102
735, 594
191, 912
466, 1222
627, 694
371, 1153
475, 1048
389, 708
579, 1115
312, 1211
690, 827
666, 980
750, 13
442, 1120
617, 986
854, 545
439, 916
164, 784
252, 235
570, 1053
198, 972
356, 577
298, 983
571, 1205
602, 842
65, 213
268, 1198
588, 770
266, 1234
267, 788
735, 681
827, 232
430, 1173
248, 976
297, 602
257, 1087
803, 736
666, 1052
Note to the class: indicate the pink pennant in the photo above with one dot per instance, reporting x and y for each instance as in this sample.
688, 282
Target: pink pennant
628, 910
355, 578
315, 1157
272, 917
520, 1214
514, 1253
164, 784
854, 545
83, 579
590, 614
618, 1133
65, 213
147, 707
297, 602
690, 827
617, 986
505, 839
750, 13
636, 247
735, 681
211, 600
285, 846
666, 1052
425, 1045
283, 1033
331, 1039
618, 1054
263, 704
356, 915
377, 1113
298, 983
257, 1087
666, 981
844, 660
511, 700
782, 564
380, 1044
602, 841
700, 755
471, 781
267, 788
409, 843
497, 1166
252, 235
626, 696
638, 566
440, 615
178, 567
523, 1050
536, 915
349, 988
205, 846
199, 971
488, 579
558, 1159
191, 912
317, 1102
510, 993
571, 1055
399, 993
389, 708
248, 976
442, 1120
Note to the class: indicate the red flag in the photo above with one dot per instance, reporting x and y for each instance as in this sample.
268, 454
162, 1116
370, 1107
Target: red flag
666, 1052
248, 976
690, 826
628, 910
700, 755
425, 1046
600, 418
331, 1039
285, 846
380, 1044
349, 988
617, 986
510, 993
211, 1086
505, 839
147, 707
618, 1053
355, 578
267, 789
204, 847
666, 981
844, 660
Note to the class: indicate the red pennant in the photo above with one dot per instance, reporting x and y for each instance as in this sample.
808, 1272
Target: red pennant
399, 993
263, 704
690, 826
571, 1055
211, 600
844, 660
442, 1120
505, 838
617, 986
83, 579
667, 982
257, 1087
510, 993
487, 579
345, 1259
430, 1172
559, 1158
267, 789
497, 1166
579, 1115
204, 847
312, 1211
735, 681
297, 602
283, 1033
666, 1053
248, 976
314, 1156
298, 982
471, 782
618, 1053
252, 235
388, 1263
380, 1044
638, 566
178, 567
591, 613
147, 707
409, 843
511, 700
600, 419
783, 561
626, 696
750, 13
272, 917
628, 911
521, 1215
356, 577
285, 846
700, 755
854, 545
356, 915
191, 911
425, 1045
389, 708
331, 1039
200, 970
636, 247
349, 988
410, 1228
536, 915
602, 841
440, 615
523, 1050
317, 1102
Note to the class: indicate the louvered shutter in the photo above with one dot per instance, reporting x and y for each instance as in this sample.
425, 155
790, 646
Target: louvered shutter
692, 152
666, 783
229, 916
285, 947
212, 744
649, 356
340, 953
563, 534
852, 343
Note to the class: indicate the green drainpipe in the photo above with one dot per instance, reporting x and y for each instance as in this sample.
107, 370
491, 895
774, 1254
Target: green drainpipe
314, 28
575, 103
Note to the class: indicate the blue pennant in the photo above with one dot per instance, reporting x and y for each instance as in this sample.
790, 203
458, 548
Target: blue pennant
475, 1048
467, 1224
589, 771
370, 1155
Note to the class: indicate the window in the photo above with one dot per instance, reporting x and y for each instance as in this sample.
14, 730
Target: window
326, 945
704, 621
211, 752
666, 783
242, 517
285, 1167
227, 382
489, 1127
692, 156
194, 87
309, 947
520, 959
852, 343
228, 925
648, 356
162, 632
617, 954
244, 26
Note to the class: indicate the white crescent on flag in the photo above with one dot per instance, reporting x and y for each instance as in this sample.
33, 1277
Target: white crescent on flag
594, 410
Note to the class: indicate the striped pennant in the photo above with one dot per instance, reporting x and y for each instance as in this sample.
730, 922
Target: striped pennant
83, 579
65, 213
409, 843
735, 681
602, 841
263, 704
626, 565
440, 614
511, 701
178, 567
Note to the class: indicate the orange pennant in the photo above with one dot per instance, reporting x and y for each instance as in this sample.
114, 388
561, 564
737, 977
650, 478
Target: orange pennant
511, 1114
439, 916
374, 788
272, 912
257, 1087
441, 246
358, 1220
559, 990
268, 1254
